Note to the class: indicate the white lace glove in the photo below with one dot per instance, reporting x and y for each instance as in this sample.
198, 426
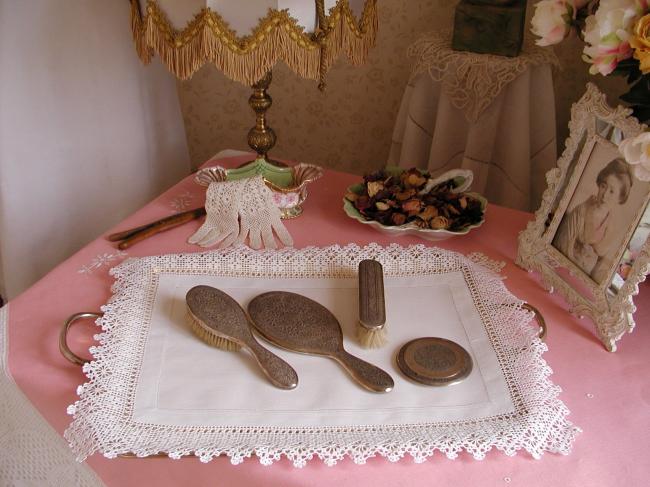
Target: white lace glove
239, 209
222, 212
259, 216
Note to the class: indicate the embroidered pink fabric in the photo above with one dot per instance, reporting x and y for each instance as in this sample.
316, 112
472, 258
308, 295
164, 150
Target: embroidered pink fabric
608, 394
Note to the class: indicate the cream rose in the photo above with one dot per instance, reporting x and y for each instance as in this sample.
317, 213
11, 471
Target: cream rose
636, 151
552, 21
608, 32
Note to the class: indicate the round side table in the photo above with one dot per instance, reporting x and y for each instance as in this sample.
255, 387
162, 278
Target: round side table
491, 114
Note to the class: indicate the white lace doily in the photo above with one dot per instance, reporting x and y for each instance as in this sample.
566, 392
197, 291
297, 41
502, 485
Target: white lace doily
104, 414
472, 81
31, 452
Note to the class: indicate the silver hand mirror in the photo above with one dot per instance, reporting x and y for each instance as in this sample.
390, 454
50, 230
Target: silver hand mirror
300, 324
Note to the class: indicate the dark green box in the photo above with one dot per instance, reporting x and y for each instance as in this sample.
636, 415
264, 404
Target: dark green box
490, 27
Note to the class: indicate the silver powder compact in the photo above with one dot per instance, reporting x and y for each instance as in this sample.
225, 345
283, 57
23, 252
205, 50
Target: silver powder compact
434, 361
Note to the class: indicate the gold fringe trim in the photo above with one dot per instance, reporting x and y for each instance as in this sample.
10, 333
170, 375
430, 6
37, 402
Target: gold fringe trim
278, 37
345, 36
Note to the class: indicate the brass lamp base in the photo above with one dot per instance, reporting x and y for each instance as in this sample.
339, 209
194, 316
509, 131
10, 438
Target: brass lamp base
262, 138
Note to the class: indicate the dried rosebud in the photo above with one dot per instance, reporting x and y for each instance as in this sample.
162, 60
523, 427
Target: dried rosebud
362, 203
406, 194
430, 199
392, 203
452, 210
428, 213
375, 176
414, 181
350, 196
398, 218
412, 205
383, 217
381, 206
384, 194
439, 223
420, 223
408, 172
374, 187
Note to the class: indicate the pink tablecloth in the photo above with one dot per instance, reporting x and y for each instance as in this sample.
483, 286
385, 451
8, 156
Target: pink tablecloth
608, 394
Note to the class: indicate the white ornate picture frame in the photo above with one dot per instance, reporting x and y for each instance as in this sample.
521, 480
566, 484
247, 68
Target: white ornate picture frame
603, 296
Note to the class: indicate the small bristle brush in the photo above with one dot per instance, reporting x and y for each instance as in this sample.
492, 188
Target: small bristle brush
220, 321
371, 332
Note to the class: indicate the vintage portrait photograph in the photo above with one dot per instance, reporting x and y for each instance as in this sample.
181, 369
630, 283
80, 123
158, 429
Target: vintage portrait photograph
602, 213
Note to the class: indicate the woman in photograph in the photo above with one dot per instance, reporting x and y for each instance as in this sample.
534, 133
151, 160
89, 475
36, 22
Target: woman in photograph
584, 234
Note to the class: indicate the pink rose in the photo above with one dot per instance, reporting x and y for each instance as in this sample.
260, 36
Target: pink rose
607, 33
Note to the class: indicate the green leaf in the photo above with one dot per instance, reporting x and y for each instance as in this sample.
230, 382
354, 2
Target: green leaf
634, 75
642, 113
629, 62
628, 68
639, 93
620, 71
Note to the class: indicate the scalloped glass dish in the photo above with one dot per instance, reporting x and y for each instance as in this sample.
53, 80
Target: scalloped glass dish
287, 184
465, 179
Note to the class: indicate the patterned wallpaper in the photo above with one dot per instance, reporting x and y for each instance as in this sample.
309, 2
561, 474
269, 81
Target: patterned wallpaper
350, 126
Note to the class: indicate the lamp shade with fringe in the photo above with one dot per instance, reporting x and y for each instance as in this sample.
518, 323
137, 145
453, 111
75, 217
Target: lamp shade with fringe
245, 39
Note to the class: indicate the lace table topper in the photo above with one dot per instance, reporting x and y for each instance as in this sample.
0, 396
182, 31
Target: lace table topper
472, 81
154, 387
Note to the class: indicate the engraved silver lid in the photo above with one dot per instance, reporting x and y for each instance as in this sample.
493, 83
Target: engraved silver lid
434, 361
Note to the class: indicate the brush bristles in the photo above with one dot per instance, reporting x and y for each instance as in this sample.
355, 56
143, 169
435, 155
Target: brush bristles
372, 338
209, 336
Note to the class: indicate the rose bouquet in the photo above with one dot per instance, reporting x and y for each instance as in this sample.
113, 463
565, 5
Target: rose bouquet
616, 35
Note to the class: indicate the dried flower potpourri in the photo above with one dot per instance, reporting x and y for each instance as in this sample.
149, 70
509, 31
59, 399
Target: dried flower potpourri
413, 198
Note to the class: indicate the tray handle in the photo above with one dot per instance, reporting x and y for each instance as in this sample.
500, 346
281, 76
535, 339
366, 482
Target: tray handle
540, 320
63, 337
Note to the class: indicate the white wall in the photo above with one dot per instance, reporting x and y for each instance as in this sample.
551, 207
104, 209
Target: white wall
87, 134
